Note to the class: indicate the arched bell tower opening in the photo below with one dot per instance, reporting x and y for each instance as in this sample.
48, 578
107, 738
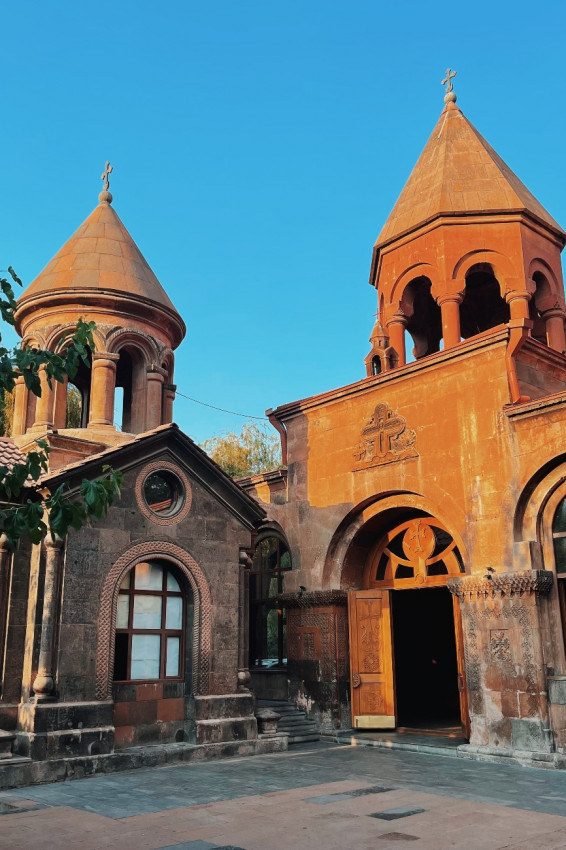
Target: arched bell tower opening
424, 323
483, 307
130, 380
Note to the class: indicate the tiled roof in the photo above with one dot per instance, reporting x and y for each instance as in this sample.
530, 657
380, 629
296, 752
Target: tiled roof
459, 172
10, 453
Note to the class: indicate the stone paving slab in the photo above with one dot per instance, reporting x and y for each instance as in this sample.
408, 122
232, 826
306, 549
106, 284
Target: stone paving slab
275, 803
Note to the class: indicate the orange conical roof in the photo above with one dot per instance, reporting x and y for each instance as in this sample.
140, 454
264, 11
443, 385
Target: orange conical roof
459, 173
100, 258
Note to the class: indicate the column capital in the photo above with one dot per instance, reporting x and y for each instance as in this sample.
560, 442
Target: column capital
515, 294
555, 312
449, 297
99, 357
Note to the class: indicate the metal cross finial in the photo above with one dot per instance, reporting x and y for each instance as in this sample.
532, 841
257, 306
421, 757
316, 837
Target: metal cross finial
105, 175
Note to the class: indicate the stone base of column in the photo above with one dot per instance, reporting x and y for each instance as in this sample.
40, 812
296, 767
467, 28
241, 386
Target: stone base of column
48, 730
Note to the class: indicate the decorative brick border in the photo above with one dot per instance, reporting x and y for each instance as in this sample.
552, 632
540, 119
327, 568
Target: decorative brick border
158, 466
202, 627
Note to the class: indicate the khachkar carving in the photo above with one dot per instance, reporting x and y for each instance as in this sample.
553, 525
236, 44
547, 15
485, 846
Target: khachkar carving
504, 584
385, 439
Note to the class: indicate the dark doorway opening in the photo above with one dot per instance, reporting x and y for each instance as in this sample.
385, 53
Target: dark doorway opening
426, 665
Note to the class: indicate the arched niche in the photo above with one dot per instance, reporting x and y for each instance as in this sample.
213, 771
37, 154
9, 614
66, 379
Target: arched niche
483, 306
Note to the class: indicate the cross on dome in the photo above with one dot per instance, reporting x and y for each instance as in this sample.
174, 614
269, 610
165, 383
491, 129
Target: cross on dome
449, 97
105, 196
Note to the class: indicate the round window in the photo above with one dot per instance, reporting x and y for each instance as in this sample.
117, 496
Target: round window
163, 493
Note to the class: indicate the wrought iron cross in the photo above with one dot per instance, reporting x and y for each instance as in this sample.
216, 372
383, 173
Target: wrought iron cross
105, 175
447, 81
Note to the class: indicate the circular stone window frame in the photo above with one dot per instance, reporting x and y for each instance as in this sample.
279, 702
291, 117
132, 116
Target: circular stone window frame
163, 466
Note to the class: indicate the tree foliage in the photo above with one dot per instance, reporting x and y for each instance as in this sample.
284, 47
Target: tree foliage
26, 506
250, 452
74, 410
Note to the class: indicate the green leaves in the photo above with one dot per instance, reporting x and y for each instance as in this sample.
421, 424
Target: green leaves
25, 506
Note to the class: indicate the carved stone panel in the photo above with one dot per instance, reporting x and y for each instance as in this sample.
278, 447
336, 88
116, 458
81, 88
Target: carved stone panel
385, 439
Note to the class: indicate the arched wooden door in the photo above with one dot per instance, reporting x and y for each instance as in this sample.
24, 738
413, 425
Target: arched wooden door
417, 553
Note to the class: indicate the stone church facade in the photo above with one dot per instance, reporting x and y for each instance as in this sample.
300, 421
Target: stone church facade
424, 507
405, 568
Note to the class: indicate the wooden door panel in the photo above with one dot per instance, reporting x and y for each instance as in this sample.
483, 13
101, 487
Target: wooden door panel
462, 686
371, 660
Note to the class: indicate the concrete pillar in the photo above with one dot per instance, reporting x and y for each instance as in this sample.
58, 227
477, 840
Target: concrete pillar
102, 388
44, 683
155, 380
45, 404
396, 328
20, 407
450, 311
554, 323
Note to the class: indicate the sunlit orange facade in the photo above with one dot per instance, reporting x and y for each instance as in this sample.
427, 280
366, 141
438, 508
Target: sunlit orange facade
422, 505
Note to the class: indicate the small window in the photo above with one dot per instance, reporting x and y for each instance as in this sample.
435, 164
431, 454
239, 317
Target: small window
163, 493
149, 625
268, 619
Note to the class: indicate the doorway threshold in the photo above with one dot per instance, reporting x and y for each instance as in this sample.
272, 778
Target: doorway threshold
413, 741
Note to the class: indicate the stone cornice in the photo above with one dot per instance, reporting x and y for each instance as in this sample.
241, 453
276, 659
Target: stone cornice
502, 584
313, 599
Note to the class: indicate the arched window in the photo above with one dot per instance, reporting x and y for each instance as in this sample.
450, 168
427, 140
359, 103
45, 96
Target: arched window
559, 546
268, 629
414, 553
150, 625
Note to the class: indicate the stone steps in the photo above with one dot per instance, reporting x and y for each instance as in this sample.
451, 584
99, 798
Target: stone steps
6, 743
294, 721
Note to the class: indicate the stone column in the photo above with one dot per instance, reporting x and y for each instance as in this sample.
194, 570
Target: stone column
396, 327
244, 677
60, 415
155, 380
450, 310
44, 684
4, 591
20, 407
168, 399
554, 323
45, 403
103, 386
518, 301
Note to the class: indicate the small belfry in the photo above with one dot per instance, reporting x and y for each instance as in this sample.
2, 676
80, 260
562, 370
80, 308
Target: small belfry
466, 248
100, 275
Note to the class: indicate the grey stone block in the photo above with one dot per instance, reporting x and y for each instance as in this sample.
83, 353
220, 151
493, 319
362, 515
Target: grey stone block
557, 690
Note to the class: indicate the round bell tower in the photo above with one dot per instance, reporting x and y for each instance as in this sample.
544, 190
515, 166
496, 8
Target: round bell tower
100, 275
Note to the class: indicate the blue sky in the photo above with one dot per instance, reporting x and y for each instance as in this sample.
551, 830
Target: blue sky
258, 147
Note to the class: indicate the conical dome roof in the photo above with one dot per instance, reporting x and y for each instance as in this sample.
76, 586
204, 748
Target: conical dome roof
100, 258
459, 173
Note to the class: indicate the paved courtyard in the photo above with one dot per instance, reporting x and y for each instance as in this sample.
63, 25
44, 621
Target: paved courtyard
321, 796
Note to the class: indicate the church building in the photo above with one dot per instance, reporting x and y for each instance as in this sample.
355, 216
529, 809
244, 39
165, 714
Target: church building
130, 632
404, 570
423, 508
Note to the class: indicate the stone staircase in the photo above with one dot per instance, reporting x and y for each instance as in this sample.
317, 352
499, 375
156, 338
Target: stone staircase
293, 720
6, 742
